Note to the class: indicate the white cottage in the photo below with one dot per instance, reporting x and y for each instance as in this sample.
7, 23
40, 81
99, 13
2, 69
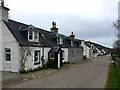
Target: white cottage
17, 39
20, 42
86, 49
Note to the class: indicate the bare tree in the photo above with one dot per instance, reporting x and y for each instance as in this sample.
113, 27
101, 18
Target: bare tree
25, 52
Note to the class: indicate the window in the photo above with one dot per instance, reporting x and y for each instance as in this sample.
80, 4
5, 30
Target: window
51, 55
33, 36
59, 40
7, 54
37, 57
30, 35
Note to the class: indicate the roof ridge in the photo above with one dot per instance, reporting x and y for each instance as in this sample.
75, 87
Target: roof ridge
17, 22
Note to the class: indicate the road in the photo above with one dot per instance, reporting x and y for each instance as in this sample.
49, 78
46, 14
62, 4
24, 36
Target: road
88, 75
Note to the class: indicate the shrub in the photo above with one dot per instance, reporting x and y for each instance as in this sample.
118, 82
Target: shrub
23, 71
51, 64
85, 57
55, 66
66, 63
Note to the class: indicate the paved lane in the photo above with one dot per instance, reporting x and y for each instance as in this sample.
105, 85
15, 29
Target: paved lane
88, 75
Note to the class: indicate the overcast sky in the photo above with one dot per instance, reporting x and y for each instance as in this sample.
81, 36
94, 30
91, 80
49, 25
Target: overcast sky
88, 19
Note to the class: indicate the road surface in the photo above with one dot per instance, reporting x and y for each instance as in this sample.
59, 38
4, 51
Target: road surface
88, 75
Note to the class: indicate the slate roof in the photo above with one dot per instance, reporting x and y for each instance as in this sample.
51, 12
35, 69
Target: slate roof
47, 38
54, 49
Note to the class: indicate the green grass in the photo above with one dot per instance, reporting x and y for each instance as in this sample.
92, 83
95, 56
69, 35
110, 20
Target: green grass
113, 78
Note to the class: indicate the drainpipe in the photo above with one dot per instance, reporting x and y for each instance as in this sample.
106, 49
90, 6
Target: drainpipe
43, 61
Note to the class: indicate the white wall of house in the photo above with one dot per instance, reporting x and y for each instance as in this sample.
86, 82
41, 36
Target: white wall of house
65, 54
46, 50
86, 49
0, 45
30, 60
8, 41
88, 52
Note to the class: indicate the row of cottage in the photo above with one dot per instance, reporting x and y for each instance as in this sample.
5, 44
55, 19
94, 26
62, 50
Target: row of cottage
35, 46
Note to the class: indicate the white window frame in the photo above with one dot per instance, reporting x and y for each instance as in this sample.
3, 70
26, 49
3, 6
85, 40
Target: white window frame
29, 36
6, 54
33, 36
59, 40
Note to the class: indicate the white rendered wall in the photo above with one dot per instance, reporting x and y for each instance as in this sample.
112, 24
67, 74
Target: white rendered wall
65, 54
0, 45
86, 49
46, 50
8, 41
30, 60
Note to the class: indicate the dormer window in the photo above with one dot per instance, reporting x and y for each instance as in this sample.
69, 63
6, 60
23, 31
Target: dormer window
33, 36
30, 35
59, 40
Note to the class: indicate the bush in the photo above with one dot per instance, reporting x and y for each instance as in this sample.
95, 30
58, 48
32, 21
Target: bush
23, 71
85, 57
66, 63
55, 66
51, 64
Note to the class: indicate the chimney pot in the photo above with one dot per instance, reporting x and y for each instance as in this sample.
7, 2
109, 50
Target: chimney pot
54, 29
72, 33
54, 24
2, 2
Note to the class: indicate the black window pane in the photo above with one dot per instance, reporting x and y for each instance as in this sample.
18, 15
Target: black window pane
31, 35
35, 35
8, 57
7, 50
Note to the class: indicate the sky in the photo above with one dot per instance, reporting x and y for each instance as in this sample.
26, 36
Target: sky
88, 19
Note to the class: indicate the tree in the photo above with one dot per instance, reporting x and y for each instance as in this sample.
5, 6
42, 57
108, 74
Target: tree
25, 52
116, 44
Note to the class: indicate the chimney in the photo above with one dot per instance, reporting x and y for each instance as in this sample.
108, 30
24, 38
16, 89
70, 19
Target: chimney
119, 10
2, 2
72, 36
54, 29
3, 12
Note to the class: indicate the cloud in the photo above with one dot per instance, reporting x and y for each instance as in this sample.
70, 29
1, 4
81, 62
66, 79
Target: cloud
88, 19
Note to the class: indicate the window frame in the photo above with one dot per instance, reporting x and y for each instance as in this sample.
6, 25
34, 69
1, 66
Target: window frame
52, 54
38, 57
34, 34
7, 53
60, 40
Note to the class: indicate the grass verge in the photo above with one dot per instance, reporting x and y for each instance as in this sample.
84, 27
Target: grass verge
113, 78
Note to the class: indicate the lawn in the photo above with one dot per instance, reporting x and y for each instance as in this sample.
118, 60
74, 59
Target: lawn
113, 78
